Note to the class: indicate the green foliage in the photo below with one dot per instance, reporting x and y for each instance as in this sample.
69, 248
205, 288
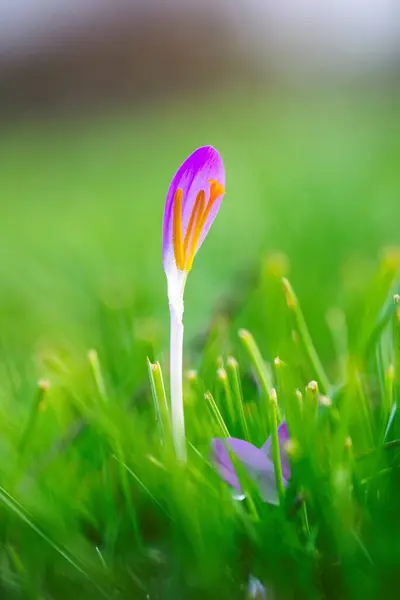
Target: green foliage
92, 500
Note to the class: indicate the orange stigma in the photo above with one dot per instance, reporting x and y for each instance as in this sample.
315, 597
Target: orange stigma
185, 251
216, 190
177, 229
197, 211
197, 232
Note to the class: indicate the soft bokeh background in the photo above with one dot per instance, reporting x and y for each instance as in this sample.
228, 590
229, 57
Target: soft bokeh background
101, 101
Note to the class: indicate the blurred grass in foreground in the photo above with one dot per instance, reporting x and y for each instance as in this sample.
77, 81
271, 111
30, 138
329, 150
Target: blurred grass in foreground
312, 190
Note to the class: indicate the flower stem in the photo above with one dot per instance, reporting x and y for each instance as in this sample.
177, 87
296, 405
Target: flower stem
176, 352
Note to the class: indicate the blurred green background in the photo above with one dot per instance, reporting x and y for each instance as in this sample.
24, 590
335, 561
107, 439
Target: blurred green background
314, 176
95, 119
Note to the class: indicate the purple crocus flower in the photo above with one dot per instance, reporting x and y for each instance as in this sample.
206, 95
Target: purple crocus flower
193, 200
257, 461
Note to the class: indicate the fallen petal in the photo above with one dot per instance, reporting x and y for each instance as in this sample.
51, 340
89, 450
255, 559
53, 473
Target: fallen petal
283, 435
256, 590
258, 465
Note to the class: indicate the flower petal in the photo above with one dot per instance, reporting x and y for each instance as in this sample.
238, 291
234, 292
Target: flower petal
258, 465
195, 174
248, 454
266, 483
256, 590
224, 463
283, 435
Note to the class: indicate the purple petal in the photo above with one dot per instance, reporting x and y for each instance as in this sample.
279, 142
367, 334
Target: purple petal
256, 590
283, 435
258, 465
193, 175
266, 484
251, 456
224, 463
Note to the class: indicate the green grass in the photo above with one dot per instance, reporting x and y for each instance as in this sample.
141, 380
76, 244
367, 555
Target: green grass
91, 504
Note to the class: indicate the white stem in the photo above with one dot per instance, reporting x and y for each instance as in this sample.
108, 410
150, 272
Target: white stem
177, 415
176, 366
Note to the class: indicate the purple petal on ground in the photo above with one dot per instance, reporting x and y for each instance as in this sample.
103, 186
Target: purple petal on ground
194, 175
283, 435
224, 464
258, 465
251, 456
256, 590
